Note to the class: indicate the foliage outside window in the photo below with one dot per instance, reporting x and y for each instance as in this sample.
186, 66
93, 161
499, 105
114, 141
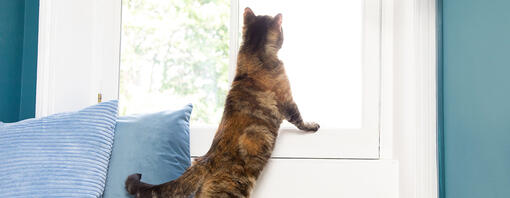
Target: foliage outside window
175, 52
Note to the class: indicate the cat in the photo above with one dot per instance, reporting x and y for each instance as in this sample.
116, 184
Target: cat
258, 101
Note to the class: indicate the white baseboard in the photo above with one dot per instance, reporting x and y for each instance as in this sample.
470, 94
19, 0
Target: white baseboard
308, 178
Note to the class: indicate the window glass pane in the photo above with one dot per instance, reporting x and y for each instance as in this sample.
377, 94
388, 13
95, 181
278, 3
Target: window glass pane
176, 52
322, 53
173, 53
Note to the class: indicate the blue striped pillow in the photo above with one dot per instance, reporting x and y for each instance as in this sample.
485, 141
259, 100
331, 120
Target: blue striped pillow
62, 155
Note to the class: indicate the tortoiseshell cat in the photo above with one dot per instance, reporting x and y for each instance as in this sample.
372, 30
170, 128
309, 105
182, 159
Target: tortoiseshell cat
258, 101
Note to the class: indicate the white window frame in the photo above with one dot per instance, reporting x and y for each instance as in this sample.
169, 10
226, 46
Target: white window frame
361, 143
100, 75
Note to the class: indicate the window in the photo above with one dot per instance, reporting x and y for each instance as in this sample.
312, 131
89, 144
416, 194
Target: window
181, 51
323, 57
175, 52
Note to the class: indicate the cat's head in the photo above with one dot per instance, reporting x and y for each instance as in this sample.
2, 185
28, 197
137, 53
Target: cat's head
262, 33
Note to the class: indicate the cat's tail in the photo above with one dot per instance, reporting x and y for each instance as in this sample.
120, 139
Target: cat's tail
184, 186
134, 185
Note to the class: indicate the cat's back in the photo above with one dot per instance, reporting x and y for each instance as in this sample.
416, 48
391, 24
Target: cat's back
250, 103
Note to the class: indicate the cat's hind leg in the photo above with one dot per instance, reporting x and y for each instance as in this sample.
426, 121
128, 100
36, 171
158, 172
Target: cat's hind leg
225, 186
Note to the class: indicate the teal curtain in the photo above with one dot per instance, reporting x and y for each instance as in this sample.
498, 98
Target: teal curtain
440, 118
474, 139
18, 58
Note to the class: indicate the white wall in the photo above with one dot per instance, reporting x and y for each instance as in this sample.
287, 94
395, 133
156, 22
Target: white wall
414, 136
78, 58
304, 178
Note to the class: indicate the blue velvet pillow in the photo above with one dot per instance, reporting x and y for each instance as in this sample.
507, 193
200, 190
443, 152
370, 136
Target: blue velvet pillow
155, 145
62, 155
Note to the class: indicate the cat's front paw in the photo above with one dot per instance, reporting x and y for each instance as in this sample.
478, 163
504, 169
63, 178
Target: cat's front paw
310, 126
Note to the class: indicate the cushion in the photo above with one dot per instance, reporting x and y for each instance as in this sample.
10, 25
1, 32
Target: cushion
62, 155
155, 145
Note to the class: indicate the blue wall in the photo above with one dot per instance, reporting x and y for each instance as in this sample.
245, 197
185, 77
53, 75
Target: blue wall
476, 98
18, 58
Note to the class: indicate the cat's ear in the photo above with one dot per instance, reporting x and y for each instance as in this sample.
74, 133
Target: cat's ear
278, 21
248, 15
